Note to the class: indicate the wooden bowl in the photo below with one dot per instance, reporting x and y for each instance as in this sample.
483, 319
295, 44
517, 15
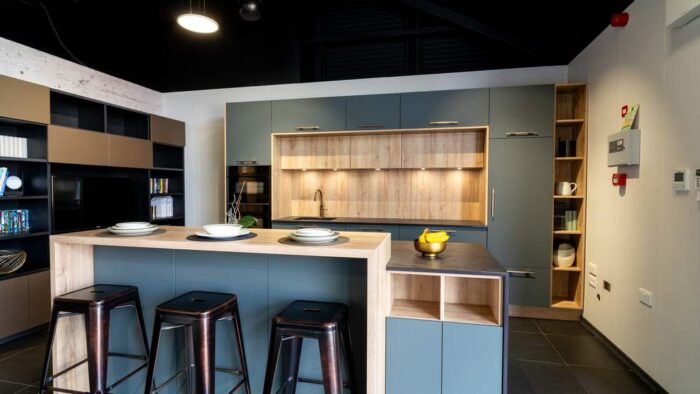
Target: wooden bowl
11, 260
429, 249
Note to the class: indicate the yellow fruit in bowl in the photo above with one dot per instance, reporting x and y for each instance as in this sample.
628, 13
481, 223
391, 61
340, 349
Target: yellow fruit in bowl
438, 236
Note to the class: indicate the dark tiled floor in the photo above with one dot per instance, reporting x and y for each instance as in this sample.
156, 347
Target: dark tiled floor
545, 357
552, 357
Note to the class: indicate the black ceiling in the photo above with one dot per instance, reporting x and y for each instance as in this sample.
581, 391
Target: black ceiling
301, 41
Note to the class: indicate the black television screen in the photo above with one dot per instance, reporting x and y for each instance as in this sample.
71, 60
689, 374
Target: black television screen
81, 202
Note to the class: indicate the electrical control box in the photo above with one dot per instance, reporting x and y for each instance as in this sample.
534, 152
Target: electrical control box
623, 148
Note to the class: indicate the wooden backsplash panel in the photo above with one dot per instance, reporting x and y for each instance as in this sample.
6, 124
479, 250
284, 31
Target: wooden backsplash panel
443, 150
405, 194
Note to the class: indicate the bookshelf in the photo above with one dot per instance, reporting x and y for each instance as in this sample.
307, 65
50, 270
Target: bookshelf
570, 166
168, 166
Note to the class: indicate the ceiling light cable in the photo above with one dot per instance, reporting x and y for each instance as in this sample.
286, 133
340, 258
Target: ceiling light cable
58, 36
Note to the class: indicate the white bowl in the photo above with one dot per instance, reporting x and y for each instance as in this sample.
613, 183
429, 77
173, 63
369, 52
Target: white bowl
313, 232
223, 229
132, 225
564, 255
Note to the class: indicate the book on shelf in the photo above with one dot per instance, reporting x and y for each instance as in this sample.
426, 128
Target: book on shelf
162, 207
13, 221
13, 146
571, 220
4, 173
159, 185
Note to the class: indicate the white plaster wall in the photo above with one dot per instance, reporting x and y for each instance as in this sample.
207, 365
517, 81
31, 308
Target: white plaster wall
28, 64
203, 111
646, 236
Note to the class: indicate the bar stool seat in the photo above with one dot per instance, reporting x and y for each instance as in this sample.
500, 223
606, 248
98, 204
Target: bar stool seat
324, 321
197, 312
95, 303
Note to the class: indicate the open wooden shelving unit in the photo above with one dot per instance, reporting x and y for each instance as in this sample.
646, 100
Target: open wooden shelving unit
470, 299
570, 124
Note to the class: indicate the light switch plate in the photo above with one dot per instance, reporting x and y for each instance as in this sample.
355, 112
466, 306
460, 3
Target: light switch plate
593, 269
592, 280
646, 297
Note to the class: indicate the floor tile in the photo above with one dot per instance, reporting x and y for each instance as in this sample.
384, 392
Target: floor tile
10, 388
562, 327
522, 324
542, 378
24, 367
610, 381
585, 351
531, 346
12, 348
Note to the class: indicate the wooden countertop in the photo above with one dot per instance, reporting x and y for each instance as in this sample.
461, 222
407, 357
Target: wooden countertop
458, 258
360, 245
370, 221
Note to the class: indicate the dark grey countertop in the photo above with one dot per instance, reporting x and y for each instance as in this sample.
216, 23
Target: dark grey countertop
417, 222
458, 258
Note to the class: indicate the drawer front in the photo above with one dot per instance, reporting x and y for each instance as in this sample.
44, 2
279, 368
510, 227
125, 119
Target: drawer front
308, 115
459, 234
522, 111
374, 112
377, 228
334, 227
23, 100
129, 152
472, 359
413, 356
73, 146
167, 131
529, 286
453, 108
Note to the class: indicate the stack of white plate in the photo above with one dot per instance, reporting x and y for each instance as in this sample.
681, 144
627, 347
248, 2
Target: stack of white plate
314, 235
223, 231
133, 228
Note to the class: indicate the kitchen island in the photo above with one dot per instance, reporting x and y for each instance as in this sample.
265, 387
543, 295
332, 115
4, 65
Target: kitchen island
267, 275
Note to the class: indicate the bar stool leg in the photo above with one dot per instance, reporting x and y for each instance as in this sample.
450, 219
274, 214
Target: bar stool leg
330, 362
155, 341
349, 358
204, 337
272, 355
49, 348
236, 320
97, 332
142, 325
293, 357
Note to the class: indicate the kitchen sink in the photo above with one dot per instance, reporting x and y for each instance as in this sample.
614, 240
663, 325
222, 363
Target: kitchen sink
315, 218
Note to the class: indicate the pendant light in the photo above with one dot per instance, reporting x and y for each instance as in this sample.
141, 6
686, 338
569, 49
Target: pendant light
198, 23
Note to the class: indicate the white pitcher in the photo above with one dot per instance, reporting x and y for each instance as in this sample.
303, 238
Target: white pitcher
565, 188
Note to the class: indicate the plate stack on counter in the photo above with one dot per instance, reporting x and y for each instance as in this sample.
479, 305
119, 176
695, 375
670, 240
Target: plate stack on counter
133, 228
314, 235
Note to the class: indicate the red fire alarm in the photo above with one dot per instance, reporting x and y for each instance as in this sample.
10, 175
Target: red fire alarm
620, 20
624, 110
619, 179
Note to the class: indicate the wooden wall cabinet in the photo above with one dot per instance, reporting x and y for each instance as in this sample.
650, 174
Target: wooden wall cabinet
167, 131
24, 100
75, 146
375, 151
129, 152
443, 150
331, 152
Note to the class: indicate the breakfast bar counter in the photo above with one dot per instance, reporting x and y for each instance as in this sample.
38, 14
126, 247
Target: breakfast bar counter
264, 273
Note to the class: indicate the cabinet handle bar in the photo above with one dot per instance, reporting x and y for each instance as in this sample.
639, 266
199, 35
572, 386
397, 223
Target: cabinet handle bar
372, 126
522, 134
302, 128
522, 274
444, 123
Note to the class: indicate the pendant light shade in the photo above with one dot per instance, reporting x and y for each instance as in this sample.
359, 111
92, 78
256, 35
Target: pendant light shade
198, 23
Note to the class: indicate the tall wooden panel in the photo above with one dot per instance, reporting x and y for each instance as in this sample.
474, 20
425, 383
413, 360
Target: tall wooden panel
129, 152
375, 151
24, 100
74, 146
167, 131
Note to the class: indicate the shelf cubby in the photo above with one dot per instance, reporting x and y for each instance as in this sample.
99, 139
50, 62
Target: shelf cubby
415, 296
168, 157
71, 111
37, 248
127, 123
473, 299
35, 135
567, 289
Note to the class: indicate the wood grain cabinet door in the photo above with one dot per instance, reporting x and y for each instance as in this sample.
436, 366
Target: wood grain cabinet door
14, 314
74, 146
375, 151
331, 152
24, 100
167, 131
39, 298
129, 152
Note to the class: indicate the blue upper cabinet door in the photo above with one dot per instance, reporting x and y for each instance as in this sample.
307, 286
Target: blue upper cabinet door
248, 127
451, 108
315, 114
472, 359
374, 112
522, 111
520, 201
413, 356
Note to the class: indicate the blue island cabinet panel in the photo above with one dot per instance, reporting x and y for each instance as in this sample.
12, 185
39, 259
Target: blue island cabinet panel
314, 114
248, 128
472, 359
450, 108
458, 234
374, 112
413, 356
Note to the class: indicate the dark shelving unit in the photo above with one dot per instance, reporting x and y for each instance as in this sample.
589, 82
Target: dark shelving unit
168, 157
127, 123
71, 111
168, 163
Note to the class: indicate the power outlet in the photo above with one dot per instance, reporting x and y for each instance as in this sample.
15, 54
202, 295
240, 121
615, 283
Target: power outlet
593, 269
592, 281
646, 297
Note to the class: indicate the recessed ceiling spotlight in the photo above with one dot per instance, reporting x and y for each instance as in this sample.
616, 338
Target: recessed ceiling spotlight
250, 10
198, 22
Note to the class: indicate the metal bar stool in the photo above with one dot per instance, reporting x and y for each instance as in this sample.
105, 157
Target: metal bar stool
198, 313
323, 321
95, 303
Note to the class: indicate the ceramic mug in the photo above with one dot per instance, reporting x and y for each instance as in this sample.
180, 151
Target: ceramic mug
565, 188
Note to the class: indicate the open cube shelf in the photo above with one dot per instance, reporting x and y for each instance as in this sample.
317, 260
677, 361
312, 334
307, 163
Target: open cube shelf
415, 296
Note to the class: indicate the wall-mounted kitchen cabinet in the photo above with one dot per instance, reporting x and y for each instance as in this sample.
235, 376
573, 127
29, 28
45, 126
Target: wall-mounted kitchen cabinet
521, 111
24, 100
331, 152
129, 152
314, 114
74, 146
248, 127
373, 112
451, 108
375, 151
167, 131
443, 150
